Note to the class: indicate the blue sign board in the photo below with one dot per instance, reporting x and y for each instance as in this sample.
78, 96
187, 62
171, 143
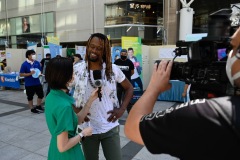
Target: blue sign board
9, 80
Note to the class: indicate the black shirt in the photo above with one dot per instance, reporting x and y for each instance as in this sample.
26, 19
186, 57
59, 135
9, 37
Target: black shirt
126, 66
44, 62
197, 130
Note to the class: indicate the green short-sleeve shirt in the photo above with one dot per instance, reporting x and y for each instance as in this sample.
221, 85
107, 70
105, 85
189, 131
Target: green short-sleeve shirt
60, 117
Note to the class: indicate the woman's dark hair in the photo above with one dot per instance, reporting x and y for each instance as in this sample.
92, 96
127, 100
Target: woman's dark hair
78, 55
29, 52
59, 72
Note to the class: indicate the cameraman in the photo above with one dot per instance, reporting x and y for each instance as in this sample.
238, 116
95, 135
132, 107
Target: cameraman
202, 129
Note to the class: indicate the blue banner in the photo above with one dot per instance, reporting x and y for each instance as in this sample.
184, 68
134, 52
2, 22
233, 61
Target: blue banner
116, 53
32, 46
9, 80
54, 49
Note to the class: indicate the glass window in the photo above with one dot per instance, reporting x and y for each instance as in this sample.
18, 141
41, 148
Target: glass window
3, 28
28, 24
50, 22
116, 32
27, 28
35, 24
132, 13
131, 16
18, 24
12, 22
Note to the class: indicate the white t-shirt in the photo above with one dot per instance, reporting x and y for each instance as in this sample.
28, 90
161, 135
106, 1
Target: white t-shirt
99, 109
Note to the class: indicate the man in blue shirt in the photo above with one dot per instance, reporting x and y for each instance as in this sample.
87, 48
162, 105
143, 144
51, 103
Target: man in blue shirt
32, 82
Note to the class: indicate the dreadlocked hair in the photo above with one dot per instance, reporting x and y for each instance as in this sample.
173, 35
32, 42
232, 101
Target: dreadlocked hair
106, 53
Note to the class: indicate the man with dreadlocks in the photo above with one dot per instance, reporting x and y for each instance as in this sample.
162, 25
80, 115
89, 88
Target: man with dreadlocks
104, 112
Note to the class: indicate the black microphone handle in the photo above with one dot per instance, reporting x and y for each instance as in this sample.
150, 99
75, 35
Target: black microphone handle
99, 94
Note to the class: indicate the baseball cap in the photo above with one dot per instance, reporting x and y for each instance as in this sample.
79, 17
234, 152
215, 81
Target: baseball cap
123, 50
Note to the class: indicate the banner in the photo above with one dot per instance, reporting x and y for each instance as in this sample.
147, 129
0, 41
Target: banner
136, 57
70, 52
115, 52
9, 80
47, 50
81, 50
32, 46
53, 43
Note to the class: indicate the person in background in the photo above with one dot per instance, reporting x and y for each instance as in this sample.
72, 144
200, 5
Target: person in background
44, 63
127, 68
116, 58
200, 129
135, 78
105, 112
77, 59
60, 117
3, 64
32, 85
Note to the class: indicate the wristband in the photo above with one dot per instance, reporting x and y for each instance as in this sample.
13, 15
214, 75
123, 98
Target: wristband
81, 136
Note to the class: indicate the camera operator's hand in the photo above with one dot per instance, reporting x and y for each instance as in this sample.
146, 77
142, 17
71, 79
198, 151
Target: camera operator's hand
160, 77
159, 82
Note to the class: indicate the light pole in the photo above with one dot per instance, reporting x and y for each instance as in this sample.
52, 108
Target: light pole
43, 25
93, 15
7, 26
186, 19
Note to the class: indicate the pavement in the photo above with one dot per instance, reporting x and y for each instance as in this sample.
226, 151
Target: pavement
25, 136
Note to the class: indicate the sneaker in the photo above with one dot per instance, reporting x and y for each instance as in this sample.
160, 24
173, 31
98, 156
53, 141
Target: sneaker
40, 109
34, 110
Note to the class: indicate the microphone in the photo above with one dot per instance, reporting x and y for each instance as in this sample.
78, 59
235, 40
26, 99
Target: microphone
97, 76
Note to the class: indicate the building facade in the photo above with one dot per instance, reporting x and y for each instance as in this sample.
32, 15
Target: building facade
72, 21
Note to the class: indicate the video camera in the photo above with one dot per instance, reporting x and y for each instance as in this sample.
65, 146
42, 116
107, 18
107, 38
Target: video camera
206, 67
205, 61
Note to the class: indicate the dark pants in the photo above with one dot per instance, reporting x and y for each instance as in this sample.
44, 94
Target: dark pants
120, 95
110, 142
31, 90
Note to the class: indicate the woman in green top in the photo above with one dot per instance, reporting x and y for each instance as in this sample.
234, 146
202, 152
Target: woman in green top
62, 121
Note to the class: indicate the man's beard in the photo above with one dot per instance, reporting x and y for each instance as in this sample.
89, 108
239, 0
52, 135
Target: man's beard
92, 59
